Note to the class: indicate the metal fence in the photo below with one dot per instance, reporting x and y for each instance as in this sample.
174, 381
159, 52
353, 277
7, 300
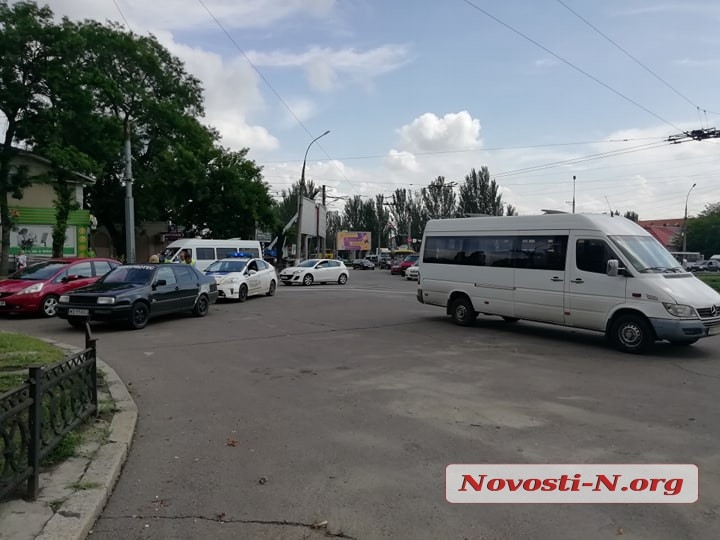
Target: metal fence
35, 416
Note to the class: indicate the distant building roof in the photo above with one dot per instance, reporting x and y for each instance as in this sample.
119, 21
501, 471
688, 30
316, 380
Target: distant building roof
31, 156
672, 222
664, 235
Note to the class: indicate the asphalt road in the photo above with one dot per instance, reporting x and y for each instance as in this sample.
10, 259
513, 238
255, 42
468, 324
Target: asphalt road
346, 403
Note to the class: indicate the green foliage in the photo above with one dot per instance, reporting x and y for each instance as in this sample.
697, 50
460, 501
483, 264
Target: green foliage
479, 195
66, 448
703, 232
439, 199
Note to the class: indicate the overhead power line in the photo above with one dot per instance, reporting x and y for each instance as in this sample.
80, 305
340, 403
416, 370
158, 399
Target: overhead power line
638, 62
270, 86
567, 62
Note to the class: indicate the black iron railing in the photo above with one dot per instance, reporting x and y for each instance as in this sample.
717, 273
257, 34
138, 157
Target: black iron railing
35, 416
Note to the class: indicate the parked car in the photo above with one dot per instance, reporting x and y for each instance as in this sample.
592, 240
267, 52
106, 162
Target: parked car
711, 265
413, 272
399, 268
135, 293
37, 288
363, 264
240, 278
315, 270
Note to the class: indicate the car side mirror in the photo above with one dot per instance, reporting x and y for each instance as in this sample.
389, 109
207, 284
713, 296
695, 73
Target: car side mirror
252, 272
613, 268
159, 283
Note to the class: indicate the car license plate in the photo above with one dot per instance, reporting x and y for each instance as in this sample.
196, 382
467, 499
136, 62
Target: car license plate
79, 312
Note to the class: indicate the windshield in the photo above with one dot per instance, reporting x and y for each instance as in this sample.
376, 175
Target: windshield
168, 253
412, 258
137, 275
308, 263
646, 254
226, 266
40, 271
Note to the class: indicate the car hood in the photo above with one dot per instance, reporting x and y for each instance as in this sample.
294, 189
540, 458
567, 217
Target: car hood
290, 269
105, 288
217, 276
690, 290
17, 285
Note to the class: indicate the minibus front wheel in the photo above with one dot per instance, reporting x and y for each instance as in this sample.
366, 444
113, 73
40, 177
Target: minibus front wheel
632, 333
462, 312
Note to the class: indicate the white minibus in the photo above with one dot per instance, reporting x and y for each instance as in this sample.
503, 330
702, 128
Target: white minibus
206, 251
590, 271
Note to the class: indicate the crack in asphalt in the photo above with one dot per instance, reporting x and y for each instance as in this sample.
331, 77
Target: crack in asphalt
319, 527
279, 335
696, 372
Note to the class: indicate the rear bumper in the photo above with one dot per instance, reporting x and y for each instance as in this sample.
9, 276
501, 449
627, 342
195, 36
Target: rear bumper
678, 330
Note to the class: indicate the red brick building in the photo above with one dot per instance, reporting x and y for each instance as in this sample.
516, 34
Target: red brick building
666, 231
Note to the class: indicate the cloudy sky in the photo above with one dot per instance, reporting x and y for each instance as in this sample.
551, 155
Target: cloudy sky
538, 91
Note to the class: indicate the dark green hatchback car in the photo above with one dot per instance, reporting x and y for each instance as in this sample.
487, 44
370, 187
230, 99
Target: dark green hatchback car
135, 293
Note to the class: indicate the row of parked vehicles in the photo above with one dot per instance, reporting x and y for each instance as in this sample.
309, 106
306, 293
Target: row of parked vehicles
80, 289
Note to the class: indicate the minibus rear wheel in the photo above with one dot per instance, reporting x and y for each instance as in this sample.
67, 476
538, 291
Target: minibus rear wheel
462, 312
631, 333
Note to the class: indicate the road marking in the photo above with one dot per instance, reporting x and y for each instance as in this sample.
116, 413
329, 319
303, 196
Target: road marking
327, 289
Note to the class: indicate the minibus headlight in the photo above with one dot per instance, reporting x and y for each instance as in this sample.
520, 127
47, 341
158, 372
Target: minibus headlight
680, 310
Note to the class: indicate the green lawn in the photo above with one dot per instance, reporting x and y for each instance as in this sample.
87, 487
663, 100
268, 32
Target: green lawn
711, 279
18, 352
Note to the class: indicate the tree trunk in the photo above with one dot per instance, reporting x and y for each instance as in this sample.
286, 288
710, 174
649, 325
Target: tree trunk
5, 221
64, 204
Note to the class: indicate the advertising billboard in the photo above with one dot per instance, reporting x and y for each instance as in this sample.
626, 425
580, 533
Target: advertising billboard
353, 241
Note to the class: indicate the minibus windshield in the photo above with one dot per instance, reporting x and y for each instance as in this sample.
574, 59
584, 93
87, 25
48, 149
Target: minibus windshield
646, 254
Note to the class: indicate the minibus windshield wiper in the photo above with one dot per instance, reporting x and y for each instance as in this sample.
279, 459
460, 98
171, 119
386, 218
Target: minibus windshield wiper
660, 269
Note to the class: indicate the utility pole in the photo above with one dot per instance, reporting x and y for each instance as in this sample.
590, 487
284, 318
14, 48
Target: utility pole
129, 203
573, 194
685, 219
324, 238
301, 195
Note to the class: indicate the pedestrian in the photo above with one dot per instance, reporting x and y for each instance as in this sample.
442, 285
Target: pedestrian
186, 257
21, 261
154, 259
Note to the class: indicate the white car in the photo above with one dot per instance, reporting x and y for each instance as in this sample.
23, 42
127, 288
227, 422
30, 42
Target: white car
239, 278
413, 272
316, 271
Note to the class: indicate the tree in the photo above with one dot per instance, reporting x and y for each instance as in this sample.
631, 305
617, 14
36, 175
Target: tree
479, 195
632, 216
703, 232
510, 210
439, 199
27, 39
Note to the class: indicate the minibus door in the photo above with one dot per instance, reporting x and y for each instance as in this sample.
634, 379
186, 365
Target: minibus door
590, 292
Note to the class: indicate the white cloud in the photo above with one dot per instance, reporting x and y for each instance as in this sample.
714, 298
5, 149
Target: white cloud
231, 94
401, 161
429, 133
692, 62
325, 67
546, 62
190, 14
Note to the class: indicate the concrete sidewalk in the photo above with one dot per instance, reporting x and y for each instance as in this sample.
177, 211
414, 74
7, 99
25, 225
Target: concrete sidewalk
73, 494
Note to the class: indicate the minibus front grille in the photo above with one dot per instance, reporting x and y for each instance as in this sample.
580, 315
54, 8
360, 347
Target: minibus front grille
709, 312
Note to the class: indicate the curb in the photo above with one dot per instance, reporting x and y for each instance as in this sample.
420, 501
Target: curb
77, 515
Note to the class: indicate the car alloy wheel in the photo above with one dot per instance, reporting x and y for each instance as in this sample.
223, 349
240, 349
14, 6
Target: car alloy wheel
308, 280
342, 280
49, 306
202, 306
243, 293
271, 289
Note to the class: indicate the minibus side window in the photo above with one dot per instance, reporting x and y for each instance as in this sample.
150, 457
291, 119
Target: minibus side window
592, 255
205, 253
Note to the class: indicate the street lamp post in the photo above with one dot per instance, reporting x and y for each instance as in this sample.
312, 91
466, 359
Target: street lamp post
301, 194
685, 219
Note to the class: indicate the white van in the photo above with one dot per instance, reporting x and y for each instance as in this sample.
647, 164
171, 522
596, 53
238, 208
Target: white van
590, 271
206, 251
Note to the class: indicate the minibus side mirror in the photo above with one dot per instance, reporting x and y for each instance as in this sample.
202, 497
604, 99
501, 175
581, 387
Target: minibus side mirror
613, 268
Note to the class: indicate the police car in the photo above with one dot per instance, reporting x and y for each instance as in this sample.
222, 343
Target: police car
242, 275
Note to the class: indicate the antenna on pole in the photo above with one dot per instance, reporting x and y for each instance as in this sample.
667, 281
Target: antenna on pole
573, 194
609, 207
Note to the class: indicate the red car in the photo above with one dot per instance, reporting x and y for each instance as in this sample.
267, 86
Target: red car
407, 262
37, 288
